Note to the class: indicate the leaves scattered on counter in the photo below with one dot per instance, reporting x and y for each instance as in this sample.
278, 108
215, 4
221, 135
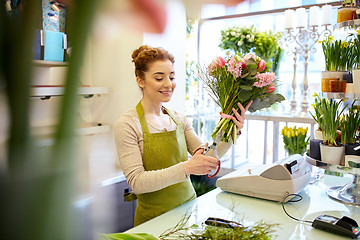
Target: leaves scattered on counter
260, 231
128, 236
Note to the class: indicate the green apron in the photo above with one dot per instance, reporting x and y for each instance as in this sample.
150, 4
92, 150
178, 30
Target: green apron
162, 150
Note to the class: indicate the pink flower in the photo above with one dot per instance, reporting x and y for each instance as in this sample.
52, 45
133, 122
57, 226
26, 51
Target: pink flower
218, 62
261, 65
243, 63
234, 67
271, 88
250, 55
264, 79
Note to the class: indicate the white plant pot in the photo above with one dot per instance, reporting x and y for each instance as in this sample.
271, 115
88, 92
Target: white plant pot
356, 80
332, 155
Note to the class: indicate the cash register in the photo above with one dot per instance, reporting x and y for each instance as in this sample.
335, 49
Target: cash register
272, 182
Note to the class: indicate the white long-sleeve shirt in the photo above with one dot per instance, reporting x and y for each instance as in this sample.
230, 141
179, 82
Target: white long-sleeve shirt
129, 141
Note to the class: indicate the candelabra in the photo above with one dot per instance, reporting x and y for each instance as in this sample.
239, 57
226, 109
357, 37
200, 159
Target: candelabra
301, 41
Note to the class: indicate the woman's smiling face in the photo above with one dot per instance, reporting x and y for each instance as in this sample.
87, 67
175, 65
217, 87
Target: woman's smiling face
159, 81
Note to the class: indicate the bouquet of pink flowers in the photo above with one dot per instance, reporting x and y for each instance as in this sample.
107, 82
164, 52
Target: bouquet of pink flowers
239, 79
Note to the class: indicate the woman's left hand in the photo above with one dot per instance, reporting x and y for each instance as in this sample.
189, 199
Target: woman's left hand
239, 119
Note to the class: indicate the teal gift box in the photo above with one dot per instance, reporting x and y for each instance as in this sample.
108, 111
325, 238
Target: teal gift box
55, 44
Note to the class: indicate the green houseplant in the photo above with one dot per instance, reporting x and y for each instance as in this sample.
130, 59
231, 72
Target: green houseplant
327, 115
349, 126
340, 57
295, 140
356, 70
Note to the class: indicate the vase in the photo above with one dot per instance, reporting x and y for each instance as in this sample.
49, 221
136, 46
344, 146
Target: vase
356, 80
349, 149
334, 155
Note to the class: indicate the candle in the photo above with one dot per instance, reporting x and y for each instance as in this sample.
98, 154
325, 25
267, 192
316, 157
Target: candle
289, 18
301, 17
314, 16
326, 14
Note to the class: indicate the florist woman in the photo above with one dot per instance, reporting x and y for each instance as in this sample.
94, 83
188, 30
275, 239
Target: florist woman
153, 142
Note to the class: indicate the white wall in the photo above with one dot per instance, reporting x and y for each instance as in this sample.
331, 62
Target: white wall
173, 39
109, 64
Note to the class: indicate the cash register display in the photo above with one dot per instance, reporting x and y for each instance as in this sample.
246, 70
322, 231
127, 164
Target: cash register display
329, 219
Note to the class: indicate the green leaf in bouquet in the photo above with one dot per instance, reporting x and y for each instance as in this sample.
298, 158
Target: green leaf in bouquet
253, 72
279, 97
246, 87
244, 96
251, 63
274, 98
258, 104
244, 75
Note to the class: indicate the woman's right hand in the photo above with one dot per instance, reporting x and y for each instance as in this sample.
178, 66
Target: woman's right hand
200, 164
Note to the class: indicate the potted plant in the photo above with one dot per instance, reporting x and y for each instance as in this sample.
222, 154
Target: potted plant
356, 70
339, 60
327, 115
295, 140
349, 126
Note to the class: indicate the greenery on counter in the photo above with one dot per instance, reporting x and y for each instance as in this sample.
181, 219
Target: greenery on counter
260, 230
127, 236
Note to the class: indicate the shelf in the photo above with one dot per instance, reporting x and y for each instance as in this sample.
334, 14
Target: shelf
45, 133
280, 118
353, 24
334, 95
47, 92
43, 63
92, 130
81, 131
267, 116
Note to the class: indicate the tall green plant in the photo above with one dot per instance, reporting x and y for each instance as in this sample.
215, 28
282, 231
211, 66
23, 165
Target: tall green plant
268, 48
37, 188
327, 115
349, 124
339, 55
357, 49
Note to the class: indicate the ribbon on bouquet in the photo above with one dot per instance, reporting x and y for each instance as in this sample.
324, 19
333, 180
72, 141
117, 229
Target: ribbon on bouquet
224, 115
